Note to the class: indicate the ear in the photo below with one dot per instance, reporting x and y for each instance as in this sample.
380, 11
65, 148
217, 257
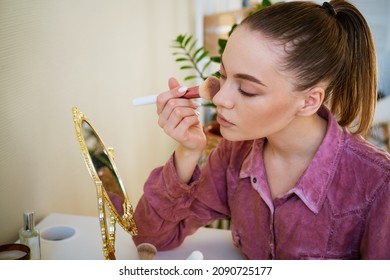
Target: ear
312, 101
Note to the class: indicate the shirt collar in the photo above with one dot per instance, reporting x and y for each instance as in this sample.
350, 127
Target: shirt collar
312, 187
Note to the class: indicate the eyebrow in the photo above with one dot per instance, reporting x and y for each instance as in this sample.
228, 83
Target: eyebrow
249, 78
245, 76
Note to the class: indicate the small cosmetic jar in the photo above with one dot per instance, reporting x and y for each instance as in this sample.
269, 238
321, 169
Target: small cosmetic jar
14, 252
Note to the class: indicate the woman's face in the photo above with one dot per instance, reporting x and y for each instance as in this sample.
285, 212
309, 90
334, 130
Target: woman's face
256, 99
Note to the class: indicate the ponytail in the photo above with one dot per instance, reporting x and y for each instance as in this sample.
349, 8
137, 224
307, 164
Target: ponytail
354, 91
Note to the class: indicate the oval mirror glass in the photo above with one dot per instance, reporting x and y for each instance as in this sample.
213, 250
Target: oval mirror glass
105, 169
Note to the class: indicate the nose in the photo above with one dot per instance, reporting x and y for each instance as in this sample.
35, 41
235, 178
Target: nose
223, 97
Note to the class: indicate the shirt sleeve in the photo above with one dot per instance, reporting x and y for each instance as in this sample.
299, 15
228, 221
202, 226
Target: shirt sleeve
170, 210
375, 244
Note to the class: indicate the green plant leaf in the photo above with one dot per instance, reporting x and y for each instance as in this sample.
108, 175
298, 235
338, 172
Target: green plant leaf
187, 41
216, 74
222, 45
232, 29
182, 59
192, 46
206, 65
266, 3
197, 51
186, 67
180, 38
216, 59
190, 77
203, 55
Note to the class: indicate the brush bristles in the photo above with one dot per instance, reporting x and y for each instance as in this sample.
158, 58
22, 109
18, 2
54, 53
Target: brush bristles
146, 251
209, 88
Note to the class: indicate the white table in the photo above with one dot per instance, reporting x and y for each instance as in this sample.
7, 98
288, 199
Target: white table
86, 241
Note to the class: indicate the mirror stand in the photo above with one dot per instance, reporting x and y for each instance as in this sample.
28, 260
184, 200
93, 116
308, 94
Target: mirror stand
107, 232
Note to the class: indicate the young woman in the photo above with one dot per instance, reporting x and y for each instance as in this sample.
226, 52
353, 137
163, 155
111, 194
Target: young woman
297, 89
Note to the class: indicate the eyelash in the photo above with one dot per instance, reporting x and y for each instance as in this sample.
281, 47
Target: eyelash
244, 93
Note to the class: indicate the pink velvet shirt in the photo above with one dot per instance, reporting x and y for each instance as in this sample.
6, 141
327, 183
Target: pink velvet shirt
339, 208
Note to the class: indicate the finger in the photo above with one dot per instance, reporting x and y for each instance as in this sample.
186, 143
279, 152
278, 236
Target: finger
173, 83
178, 115
189, 130
186, 123
176, 109
175, 90
175, 104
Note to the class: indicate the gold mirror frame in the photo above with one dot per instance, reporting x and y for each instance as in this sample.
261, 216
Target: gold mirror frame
108, 214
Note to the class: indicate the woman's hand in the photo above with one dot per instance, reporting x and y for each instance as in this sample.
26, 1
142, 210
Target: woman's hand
179, 119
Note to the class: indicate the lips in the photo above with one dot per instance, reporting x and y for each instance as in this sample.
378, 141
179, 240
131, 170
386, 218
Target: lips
222, 121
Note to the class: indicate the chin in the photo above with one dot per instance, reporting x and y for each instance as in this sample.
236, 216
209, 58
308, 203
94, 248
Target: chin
230, 135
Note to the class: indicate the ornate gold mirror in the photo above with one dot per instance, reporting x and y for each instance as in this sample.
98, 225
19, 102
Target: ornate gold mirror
113, 203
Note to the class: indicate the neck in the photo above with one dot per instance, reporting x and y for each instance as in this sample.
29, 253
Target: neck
301, 139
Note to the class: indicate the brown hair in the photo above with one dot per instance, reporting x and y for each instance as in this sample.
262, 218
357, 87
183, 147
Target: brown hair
325, 44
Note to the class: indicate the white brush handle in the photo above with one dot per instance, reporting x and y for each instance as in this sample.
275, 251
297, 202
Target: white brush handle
192, 92
146, 100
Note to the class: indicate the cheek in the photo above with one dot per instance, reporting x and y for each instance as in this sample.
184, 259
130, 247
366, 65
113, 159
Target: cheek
268, 118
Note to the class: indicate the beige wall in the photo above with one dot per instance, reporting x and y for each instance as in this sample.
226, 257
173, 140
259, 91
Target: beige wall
94, 54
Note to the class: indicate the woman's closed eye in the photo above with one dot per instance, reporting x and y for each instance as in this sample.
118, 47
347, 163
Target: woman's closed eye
222, 76
247, 94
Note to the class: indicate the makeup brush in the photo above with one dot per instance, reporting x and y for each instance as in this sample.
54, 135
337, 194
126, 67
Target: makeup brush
146, 251
206, 90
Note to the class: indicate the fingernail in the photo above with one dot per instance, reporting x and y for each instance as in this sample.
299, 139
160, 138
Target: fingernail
182, 89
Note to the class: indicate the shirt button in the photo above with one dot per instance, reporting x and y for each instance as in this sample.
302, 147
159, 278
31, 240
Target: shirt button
254, 180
